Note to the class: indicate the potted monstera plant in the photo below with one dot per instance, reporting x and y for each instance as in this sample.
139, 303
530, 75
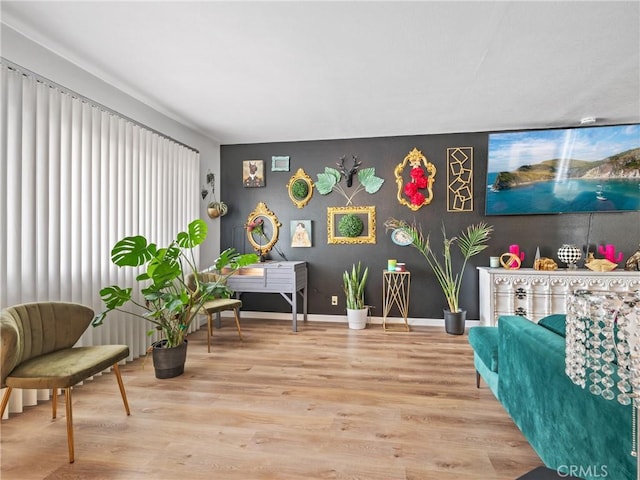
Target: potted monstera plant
165, 299
470, 242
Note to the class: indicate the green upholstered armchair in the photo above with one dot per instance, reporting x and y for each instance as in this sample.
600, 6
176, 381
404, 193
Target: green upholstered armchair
37, 351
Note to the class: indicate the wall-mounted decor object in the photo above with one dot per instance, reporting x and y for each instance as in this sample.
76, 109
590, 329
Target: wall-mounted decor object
215, 208
253, 173
262, 228
415, 186
569, 170
400, 237
301, 233
329, 180
280, 164
351, 225
300, 188
460, 179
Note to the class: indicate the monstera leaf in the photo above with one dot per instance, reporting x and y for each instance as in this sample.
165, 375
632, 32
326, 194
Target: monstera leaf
194, 236
368, 179
132, 252
113, 297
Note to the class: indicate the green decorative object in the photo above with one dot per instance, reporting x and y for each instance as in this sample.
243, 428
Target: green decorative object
327, 180
350, 225
300, 189
353, 285
470, 242
167, 302
330, 179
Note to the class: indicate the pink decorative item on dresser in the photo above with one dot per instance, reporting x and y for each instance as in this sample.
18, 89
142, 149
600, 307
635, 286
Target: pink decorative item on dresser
515, 250
609, 252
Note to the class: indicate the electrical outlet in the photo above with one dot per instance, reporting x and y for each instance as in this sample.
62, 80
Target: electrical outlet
334, 300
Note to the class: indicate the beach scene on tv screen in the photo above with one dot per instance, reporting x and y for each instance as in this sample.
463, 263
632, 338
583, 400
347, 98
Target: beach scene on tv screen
593, 169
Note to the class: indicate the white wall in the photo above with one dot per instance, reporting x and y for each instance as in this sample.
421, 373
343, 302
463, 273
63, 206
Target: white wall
32, 56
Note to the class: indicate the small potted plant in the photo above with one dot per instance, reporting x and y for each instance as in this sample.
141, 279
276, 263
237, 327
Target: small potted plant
215, 208
354, 282
470, 242
166, 300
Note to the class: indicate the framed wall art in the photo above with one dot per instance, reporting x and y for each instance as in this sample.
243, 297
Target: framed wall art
460, 179
301, 233
300, 188
280, 164
414, 177
253, 173
351, 225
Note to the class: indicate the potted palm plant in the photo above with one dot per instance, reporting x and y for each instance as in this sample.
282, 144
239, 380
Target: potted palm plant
470, 242
353, 285
166, 300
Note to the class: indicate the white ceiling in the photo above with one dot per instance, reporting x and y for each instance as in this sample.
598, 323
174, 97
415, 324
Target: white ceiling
249, 72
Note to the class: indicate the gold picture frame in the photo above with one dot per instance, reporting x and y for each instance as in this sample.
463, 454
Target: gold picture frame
460, 179
415, 160
333, 218
300, 176
263, 243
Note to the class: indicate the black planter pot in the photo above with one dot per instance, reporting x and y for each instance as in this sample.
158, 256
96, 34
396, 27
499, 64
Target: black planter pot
168, 362
454, 322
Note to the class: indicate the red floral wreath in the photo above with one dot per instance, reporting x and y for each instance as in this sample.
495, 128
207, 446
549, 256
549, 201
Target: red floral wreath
418, 182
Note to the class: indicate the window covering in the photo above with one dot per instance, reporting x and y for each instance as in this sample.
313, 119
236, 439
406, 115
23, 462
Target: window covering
76, 177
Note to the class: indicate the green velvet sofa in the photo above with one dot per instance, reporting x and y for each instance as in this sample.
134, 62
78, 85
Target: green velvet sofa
572, 431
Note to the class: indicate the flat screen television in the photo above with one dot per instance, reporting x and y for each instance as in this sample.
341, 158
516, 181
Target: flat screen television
586, 169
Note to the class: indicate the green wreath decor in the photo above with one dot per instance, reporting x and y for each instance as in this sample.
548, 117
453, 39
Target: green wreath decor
300, 189
350, 226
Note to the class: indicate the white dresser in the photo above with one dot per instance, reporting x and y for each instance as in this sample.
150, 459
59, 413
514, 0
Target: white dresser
535, 293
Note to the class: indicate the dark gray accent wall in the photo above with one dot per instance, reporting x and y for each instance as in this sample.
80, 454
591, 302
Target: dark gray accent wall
327, 262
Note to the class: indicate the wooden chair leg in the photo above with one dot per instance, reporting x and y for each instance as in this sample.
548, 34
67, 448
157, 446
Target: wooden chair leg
209, 332
67, 394
477, 379
116, 370
235, 312
5, 401
54, 402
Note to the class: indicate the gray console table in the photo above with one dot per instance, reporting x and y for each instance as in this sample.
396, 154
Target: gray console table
286, 278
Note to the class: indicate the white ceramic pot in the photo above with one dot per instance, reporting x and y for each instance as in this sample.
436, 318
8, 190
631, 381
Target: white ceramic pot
357, 318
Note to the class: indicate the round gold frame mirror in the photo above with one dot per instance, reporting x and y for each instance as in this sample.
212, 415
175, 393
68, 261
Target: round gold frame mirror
262, 228
300, 188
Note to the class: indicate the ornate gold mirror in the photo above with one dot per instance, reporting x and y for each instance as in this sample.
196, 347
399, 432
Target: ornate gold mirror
300, 188
415, 187
263, 228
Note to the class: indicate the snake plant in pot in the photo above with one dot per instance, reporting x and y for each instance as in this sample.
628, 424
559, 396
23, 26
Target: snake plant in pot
165, 299
354, 282
470, 242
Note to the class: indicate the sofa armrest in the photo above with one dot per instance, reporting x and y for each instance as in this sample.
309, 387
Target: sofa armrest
564, 423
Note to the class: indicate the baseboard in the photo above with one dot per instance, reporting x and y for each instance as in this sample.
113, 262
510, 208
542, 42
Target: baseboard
286, 317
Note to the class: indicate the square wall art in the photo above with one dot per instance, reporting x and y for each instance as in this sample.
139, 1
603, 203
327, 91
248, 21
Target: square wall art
253, 173
301, 233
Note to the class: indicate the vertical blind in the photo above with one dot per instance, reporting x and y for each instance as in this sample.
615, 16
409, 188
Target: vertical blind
76, 177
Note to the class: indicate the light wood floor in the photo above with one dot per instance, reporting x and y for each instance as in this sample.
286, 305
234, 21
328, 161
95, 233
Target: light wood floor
325, 403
